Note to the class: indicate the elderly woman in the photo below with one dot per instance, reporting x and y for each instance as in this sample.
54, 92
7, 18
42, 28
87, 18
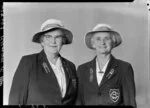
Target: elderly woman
46, 78
105, 80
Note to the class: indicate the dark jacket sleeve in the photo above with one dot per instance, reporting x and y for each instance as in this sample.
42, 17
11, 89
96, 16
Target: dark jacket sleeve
128, 86
79, 100
19, 84
75, 72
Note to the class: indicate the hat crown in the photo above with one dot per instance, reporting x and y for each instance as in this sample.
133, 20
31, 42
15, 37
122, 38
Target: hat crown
102, 27
51, 23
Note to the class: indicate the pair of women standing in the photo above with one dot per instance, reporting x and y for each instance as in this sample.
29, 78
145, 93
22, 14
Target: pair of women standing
48, 78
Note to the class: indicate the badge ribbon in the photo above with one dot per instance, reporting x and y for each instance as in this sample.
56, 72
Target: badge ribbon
110, 73
91, 74
47, 70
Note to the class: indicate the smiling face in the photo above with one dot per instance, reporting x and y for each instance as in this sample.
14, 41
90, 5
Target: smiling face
102, 42
52, 41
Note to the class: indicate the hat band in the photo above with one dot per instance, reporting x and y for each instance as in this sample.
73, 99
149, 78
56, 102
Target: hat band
102, 29
50, 26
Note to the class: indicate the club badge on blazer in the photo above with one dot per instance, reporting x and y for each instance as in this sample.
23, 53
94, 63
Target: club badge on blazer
110, 73
91, 75
47, 70
114, 94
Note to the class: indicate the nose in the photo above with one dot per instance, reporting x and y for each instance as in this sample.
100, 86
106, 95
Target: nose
102, 42
52, 40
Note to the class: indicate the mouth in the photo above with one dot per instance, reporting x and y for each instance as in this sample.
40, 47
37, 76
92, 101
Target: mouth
104, 47
54, 46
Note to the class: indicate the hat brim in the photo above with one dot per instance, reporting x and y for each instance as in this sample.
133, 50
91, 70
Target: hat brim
89, 35
67, 33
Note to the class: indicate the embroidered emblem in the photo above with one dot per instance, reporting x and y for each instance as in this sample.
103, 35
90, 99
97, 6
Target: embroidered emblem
110, 73
47, 70
114, 94
91, 74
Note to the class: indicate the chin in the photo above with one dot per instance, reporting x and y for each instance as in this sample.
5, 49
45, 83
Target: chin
54, 51
51, 50
104, 52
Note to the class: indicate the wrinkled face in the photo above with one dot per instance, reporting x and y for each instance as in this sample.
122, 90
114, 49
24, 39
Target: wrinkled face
52, 41
102, 42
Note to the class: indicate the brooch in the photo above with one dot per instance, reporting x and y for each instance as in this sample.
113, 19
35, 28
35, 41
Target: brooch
110, 73
46, 67
74, 82
91, 74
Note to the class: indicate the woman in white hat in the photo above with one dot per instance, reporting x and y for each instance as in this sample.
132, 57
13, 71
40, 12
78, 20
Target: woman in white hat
105, 80
46, 78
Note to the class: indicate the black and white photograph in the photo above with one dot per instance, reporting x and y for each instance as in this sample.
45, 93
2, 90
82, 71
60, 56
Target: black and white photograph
80, 53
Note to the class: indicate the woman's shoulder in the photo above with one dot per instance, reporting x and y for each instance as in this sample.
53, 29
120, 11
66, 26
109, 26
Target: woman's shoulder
125, 68
86, 64
64, 60
29, 57
122, 62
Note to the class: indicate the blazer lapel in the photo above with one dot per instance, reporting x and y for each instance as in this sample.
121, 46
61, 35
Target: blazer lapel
47, 70
110, 71
67, 71
92, 73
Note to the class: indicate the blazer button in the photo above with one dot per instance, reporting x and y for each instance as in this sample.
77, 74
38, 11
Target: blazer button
99, 93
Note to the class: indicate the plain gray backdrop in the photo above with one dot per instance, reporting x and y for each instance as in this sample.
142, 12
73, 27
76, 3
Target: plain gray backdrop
23, 20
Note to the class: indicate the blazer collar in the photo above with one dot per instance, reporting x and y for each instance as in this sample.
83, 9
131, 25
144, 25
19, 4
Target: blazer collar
92, 73
43, 58
112, 63
110, 70
112, 59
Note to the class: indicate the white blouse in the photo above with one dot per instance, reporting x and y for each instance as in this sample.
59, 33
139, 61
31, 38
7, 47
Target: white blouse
98, 74
60, 75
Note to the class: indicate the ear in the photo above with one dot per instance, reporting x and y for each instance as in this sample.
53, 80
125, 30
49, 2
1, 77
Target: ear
41, 38
63, 40
41, 44
113, 41
92, 43
42, 41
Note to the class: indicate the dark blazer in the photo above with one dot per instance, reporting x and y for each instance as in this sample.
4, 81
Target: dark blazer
35, 84
117, 86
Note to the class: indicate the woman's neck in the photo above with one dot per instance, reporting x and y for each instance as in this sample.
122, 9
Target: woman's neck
102, 59
52, 56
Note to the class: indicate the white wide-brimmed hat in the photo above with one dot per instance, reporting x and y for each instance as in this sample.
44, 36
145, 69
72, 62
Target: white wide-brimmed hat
117, 39
49, 25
